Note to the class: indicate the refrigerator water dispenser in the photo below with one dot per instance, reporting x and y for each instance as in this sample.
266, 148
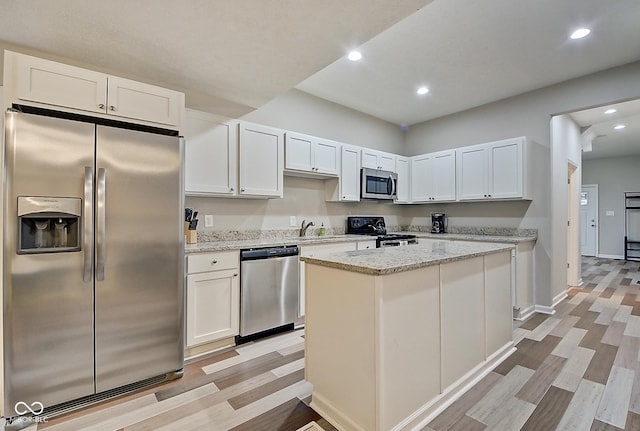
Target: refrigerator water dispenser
48, 224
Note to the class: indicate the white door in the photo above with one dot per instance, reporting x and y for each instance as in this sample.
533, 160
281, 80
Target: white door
589, 220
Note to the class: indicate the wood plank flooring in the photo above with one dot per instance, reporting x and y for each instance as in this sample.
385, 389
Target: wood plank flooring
578, 369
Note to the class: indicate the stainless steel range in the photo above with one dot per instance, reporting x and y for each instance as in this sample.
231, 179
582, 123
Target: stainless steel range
376, 226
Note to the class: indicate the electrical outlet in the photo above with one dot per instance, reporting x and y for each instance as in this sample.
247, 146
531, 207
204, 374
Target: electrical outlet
208, 220
292, 221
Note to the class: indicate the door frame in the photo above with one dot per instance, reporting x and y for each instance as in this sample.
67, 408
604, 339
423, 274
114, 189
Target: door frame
597, 221
573, 227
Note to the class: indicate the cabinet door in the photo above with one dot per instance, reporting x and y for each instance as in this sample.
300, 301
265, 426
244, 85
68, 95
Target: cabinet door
298, 152
444, 176
213, 306
326, 155
387, 162
421, 178
211, 146
261, 160
404, 180
132, 99
506, 169
471, 171
52, 83
350, 174
370, 159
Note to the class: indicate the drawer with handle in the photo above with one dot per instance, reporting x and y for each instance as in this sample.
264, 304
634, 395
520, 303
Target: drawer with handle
204, 262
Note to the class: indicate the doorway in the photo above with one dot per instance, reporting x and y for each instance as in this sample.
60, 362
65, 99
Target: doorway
589, 220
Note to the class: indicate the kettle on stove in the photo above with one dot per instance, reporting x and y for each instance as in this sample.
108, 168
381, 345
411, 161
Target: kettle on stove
438, 223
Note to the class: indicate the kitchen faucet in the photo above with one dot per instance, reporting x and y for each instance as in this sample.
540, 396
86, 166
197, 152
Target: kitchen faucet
303, 229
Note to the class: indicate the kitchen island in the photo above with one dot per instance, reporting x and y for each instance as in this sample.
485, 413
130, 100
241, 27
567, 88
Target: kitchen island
394, 334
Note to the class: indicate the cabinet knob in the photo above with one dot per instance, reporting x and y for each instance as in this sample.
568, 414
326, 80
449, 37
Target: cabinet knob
235, 275
112, 108
213, 262
231, 189
101, 106
242, 190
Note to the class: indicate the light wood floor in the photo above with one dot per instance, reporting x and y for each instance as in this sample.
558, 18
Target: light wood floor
576, 370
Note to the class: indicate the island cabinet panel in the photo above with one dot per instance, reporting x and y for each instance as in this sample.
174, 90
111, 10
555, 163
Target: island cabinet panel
340, 360
499, 326
463, 345
406, 303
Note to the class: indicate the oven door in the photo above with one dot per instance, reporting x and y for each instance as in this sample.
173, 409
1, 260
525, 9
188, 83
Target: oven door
376, 184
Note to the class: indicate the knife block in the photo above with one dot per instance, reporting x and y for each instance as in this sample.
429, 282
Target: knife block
191, 236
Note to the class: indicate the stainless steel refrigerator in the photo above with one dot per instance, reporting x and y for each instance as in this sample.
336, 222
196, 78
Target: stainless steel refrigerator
93, 255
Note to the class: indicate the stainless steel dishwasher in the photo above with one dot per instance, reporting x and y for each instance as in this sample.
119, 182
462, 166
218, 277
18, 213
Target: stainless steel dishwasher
268, 291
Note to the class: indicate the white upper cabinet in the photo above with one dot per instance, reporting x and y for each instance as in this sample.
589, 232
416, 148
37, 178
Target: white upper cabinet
311, 155
347, 186
378, 160
261, 160
433, 177
403, 169
494, 170
137, 100
58, 84
211, 155
35, 81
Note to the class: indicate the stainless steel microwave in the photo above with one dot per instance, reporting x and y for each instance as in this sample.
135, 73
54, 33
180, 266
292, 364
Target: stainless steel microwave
377, 184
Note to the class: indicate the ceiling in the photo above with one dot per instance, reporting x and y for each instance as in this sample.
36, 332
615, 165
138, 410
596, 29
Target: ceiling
231, 57
607, 141
471, 52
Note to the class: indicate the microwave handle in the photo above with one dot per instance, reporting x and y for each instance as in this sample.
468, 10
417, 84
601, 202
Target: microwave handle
393, 185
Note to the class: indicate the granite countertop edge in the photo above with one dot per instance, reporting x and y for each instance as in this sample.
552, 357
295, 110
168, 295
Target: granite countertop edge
229, 245
370, 270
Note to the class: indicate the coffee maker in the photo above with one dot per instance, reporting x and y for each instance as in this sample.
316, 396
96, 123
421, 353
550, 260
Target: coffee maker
438, 223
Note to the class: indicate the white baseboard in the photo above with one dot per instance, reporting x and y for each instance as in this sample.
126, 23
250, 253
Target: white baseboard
526, 313
611, 256
544, 309
561, 296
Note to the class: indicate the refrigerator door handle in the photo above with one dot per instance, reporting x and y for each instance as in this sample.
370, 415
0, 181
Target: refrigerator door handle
88, 225
101, 245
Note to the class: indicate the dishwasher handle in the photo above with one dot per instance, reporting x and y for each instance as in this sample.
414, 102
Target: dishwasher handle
269, 253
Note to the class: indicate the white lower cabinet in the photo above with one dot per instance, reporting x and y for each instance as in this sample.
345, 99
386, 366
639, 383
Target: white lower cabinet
213, 297
314, 250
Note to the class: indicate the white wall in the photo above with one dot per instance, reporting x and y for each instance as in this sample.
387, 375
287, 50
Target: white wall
614, 176
303, 197
529, 115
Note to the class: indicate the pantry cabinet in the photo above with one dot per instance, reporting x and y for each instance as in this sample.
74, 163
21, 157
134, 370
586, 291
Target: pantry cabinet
213, 297
311, 155
378, 160
261, 160
211, 155
433, 177
346, 188
45, 83
495, 170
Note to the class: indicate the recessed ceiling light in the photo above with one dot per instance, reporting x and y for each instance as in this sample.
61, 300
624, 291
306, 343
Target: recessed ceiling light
610, 111
620, 127
422, 90
354, 56
580, 33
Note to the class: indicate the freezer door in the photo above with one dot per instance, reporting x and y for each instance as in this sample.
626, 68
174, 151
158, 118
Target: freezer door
48, 308
139, 255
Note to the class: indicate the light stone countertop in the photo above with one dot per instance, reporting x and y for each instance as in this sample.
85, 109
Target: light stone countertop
267, 242
389, 260
509, 239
